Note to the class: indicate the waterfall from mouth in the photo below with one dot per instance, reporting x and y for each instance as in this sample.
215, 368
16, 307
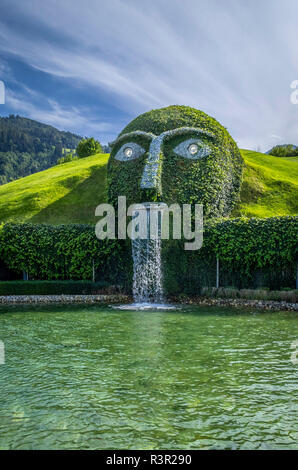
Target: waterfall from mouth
146, 254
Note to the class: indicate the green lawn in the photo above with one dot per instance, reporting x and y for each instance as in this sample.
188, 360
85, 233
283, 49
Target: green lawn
270, 186
70, 192
65, 193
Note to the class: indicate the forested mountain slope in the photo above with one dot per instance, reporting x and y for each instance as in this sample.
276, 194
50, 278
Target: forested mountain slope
28, 146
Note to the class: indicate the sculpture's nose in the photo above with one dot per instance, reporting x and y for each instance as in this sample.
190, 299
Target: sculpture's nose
152, 170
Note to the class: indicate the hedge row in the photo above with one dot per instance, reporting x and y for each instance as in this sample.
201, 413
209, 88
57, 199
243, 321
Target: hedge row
252, 253
51, 287
250, 243
243, 246
61, 252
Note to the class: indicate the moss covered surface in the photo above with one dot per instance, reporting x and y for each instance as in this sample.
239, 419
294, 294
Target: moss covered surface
213, 180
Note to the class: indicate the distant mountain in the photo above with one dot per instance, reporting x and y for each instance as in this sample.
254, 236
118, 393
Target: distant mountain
28, 146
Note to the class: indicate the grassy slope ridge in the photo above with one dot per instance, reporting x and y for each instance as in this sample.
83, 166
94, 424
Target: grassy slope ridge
70, 192
65, 193
270, 186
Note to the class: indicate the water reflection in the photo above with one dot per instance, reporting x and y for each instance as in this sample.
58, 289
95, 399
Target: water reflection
96, 378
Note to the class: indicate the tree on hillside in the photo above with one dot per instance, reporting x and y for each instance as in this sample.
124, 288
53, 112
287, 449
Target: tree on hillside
69, 157
87, 147
284, 151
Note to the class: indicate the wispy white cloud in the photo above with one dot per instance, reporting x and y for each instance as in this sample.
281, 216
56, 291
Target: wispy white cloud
233, 59
73, 119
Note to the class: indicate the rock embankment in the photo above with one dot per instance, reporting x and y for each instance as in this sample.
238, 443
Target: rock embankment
258, 304
120, 298
64, 299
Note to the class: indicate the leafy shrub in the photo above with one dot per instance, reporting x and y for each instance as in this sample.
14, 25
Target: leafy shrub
87, 147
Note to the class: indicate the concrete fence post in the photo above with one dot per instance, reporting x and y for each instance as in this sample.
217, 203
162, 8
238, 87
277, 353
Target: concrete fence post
217, 272
93, 271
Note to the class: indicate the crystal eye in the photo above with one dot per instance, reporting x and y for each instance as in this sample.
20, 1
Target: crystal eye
193, 149
128, 152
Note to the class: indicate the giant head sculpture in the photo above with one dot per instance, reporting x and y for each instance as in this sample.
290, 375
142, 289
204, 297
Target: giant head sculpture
176, 155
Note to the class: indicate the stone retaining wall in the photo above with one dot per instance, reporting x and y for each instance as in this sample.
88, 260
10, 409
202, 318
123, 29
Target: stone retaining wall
64, 299
258, 304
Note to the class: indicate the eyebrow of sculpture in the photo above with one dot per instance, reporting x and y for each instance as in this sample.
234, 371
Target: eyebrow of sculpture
186, 130
147, 135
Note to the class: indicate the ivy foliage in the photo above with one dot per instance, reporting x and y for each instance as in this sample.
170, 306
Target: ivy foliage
213, 181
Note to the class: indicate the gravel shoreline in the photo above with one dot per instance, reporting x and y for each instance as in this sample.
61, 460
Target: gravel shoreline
120, 298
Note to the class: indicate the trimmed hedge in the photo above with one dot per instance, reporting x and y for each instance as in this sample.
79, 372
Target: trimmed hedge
254, 243
51, 287
62, 252
251, 252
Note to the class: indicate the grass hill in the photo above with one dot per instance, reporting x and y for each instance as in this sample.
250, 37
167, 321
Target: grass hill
62, 194
270, 186
70, 192
28, 146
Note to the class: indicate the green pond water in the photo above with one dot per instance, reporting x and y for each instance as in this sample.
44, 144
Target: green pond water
98, 378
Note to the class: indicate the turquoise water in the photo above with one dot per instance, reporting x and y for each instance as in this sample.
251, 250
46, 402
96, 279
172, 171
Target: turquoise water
97, 378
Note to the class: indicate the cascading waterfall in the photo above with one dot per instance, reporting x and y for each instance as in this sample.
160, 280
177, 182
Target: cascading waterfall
146, 254
147, 275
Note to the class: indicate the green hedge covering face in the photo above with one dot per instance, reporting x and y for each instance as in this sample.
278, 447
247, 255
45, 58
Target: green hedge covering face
176, 155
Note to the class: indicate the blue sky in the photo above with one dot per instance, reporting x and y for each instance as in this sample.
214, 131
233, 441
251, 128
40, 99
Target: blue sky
91, 66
